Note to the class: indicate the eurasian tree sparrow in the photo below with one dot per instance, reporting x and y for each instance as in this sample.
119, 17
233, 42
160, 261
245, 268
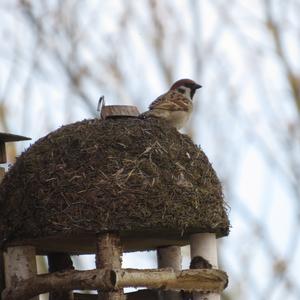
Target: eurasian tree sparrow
176, 105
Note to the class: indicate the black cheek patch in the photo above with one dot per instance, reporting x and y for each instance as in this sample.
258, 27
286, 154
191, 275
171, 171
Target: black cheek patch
193, 91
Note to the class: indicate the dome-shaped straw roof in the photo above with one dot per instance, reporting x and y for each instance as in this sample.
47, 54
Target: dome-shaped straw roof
141, 178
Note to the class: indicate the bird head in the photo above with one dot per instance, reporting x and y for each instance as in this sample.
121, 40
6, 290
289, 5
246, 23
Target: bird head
186, 87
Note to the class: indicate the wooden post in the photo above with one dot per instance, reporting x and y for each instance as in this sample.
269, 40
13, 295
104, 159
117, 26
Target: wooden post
2, 278
109, 255
20, 264
169, 257
60, 262
205, 245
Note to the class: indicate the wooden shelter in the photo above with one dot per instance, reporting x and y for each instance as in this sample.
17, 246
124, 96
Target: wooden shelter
105, 187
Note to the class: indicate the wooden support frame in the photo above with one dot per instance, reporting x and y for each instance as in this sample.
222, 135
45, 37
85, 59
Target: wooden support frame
109, 255
205, 245
204, 280
170, 256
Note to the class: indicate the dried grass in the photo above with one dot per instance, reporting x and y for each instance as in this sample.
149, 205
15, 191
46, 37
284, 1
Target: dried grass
126, 175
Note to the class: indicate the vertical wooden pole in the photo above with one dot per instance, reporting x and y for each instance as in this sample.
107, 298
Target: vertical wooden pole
169, 257
109, 255
2, 278
205, 245
60, 262
20, 264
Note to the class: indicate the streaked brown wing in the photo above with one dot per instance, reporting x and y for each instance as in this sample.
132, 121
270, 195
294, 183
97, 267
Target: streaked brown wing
172, 101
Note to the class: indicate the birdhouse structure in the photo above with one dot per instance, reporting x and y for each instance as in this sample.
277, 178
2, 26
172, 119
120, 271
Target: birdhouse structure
104, 187
5, 138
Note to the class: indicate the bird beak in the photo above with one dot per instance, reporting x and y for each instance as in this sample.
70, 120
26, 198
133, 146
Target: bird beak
197, 86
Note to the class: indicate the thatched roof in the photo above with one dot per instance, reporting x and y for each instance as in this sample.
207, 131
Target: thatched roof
129, 175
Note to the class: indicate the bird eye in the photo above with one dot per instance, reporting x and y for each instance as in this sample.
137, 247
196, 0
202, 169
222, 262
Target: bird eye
181, 90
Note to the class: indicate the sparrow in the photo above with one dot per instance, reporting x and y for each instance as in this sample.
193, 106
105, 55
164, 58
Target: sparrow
176, 105
198, 262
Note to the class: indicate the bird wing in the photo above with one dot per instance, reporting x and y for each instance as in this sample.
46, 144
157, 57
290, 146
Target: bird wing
172, 101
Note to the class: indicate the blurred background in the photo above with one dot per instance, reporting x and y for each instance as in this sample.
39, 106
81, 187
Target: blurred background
58, 57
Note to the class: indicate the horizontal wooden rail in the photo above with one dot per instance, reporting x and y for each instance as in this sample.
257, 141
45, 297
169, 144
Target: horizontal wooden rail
202, 280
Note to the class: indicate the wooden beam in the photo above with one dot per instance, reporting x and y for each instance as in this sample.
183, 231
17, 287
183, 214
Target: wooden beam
169, 256
204, 280
19, 264
69, 280
86, 243
109, 256
205, 245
